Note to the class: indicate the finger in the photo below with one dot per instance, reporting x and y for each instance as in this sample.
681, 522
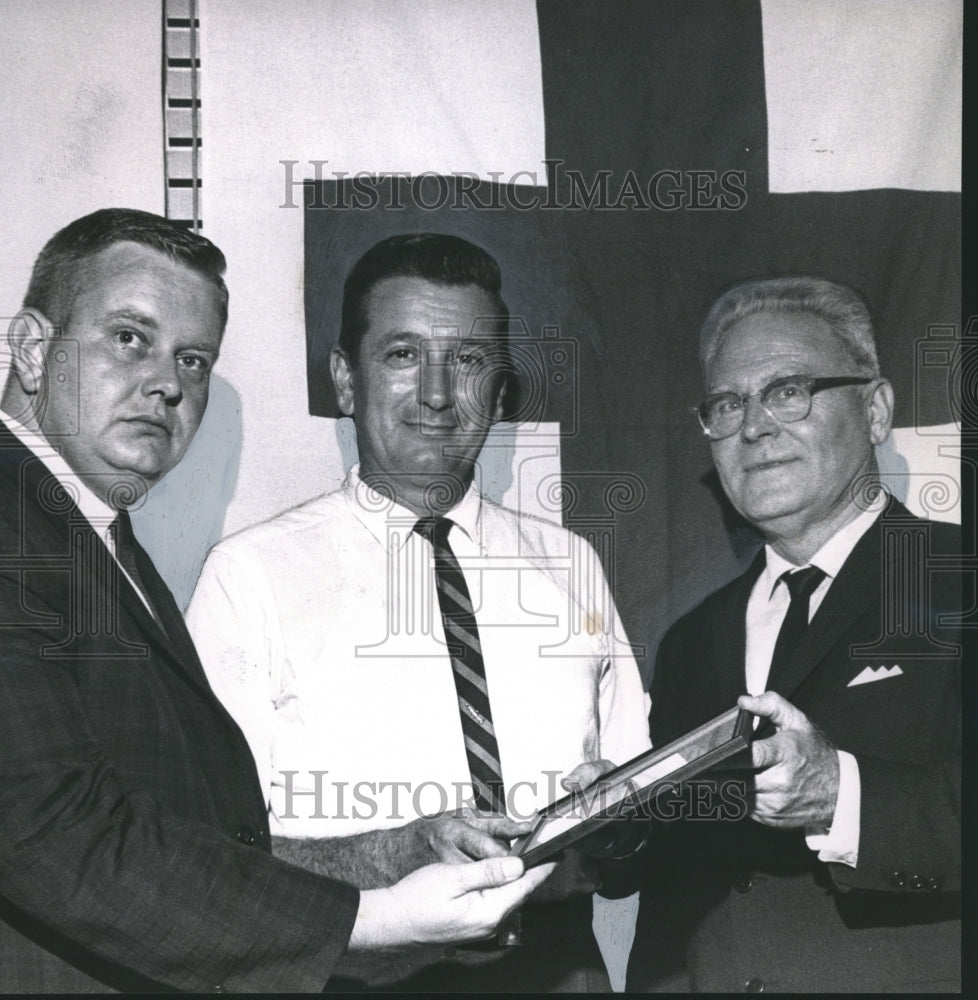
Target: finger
771, 705
497, 824
534, 877
486, 874
455, 854
586, 774
766, 753
488, 908
509, 896
474, 843
504, 828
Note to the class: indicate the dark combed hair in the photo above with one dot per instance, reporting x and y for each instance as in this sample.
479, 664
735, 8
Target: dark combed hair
54, 279
435, 257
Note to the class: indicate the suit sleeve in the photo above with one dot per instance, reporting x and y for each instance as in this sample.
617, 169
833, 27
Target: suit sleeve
118, 877
910, 823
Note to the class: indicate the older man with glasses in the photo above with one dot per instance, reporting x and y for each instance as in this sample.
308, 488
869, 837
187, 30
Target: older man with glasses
844, 873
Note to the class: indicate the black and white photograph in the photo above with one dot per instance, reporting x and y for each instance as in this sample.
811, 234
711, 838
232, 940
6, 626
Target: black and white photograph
427, 429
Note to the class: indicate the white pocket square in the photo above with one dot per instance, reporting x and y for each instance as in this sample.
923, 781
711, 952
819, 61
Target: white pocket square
871, 674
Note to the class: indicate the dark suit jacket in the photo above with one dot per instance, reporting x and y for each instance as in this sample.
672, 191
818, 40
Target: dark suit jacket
748, 904
134, 847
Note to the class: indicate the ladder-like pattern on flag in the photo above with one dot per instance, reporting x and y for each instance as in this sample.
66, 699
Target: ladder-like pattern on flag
181, 113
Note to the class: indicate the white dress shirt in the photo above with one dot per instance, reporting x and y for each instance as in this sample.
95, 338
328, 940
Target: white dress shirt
321, 633
766, 610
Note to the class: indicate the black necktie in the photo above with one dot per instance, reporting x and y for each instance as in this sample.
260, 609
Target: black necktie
468, 669
801, 585
125, 552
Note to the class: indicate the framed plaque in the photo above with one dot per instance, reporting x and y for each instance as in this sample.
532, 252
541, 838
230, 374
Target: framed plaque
627, 790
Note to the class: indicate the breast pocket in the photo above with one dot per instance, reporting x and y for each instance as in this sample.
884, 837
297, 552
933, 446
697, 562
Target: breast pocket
899, 710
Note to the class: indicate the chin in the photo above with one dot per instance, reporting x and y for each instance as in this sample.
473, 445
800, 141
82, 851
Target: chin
139, 467
432, 462
768, 508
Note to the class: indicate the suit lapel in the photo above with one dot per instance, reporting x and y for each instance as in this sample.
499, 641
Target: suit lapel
130, 598
171, 619
169, 635
725, 674
855, 588
51, 520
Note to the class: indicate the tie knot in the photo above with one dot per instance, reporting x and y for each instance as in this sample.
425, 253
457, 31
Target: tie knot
802, 583
434, 529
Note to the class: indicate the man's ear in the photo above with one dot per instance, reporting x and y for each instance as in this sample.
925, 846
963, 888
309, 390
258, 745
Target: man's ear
342, 373
28, 336
880, 406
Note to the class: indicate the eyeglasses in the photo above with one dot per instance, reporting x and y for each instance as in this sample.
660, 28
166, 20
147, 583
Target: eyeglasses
787, 400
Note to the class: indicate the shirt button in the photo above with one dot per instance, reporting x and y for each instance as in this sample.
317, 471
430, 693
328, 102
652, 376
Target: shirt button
898, 880
754, 985
246, 835
743, 883
933, 884
916, 882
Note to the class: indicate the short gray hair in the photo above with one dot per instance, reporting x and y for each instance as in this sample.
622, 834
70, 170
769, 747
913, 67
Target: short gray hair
839, 306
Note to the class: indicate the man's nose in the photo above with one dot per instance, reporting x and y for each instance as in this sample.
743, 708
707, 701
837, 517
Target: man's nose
437, 377
757, 421
162, 378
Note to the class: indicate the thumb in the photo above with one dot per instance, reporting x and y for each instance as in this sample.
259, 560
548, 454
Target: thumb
488, 873
586, 774
771, 705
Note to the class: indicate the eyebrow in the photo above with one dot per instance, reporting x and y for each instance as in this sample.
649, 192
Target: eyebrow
134, 316
389, 336
794, 373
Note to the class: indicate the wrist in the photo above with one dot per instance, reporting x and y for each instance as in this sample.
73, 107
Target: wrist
381, 922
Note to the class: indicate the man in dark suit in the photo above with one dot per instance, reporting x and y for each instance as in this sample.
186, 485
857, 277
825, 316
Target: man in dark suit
134, 846
843, 873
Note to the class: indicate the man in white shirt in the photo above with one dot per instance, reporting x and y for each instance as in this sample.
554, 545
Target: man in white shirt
324, 630
134, 843
844, 873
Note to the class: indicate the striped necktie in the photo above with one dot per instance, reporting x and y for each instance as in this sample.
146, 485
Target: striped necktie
468, 669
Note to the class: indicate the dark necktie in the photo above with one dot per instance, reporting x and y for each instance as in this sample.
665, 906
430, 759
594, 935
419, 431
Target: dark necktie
468, 669
801, 585
125, 552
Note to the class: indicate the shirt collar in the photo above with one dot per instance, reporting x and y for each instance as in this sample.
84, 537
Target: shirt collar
379, 514
831, 557
98, 513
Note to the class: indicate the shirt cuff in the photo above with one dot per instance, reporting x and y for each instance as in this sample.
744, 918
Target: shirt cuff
841, 843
